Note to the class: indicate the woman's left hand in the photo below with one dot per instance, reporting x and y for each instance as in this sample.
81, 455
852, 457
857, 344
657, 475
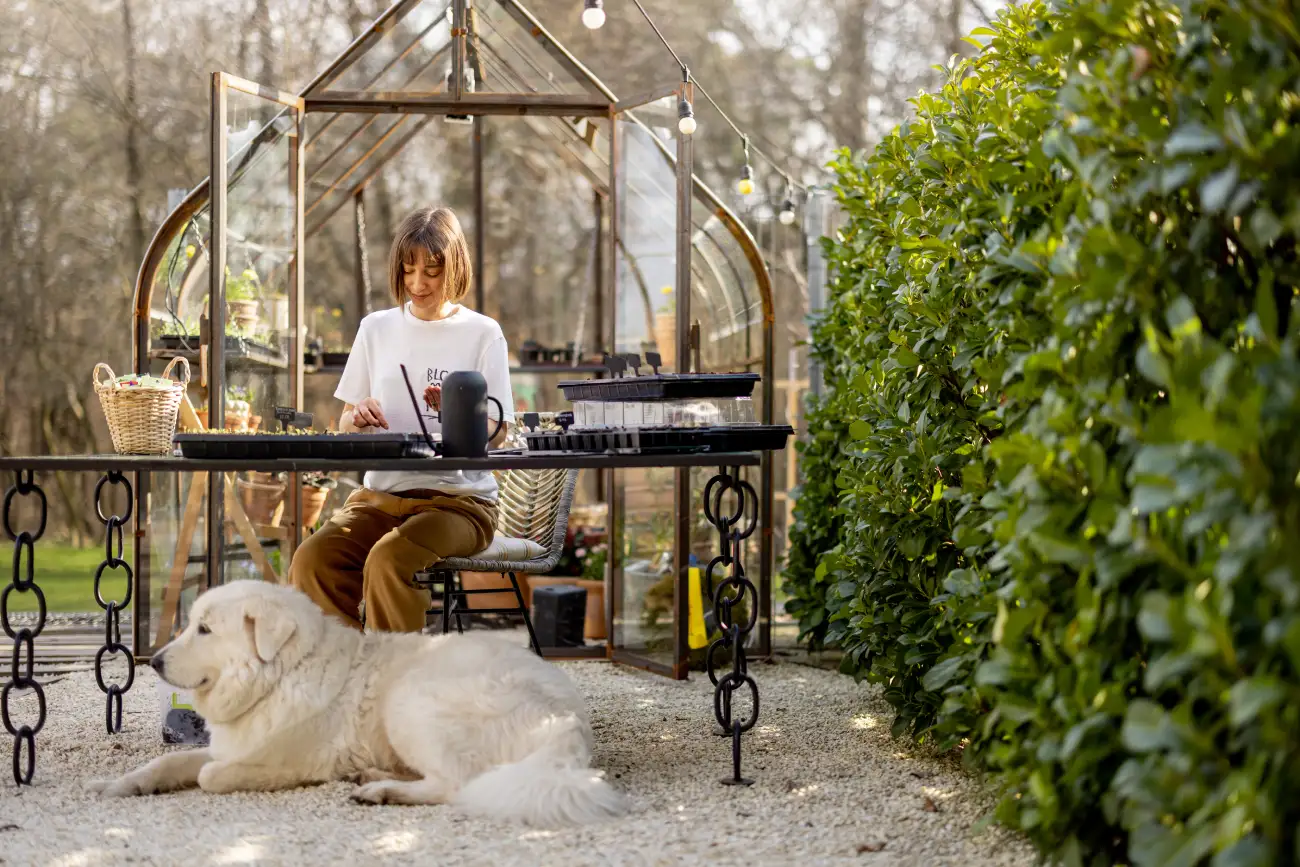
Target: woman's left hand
433, 397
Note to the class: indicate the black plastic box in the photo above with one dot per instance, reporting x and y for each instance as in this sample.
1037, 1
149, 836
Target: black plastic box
559, 614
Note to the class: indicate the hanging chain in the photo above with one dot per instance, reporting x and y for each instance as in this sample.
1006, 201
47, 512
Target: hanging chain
727, 594
22, 666
113, 549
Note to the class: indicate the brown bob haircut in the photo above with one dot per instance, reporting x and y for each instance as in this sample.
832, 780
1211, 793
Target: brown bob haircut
438, 233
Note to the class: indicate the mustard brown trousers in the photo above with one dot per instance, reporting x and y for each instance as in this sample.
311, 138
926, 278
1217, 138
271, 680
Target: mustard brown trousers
372, 548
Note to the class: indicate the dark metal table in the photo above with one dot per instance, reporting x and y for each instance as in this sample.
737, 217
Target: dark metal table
733, 528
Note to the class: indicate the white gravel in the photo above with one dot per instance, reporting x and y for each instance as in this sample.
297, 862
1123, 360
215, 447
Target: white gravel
832, 788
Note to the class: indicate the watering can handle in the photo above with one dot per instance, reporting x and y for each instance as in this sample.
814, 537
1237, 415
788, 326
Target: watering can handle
501, 418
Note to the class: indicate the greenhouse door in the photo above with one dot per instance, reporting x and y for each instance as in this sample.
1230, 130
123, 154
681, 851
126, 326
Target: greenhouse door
252, 354
650, 509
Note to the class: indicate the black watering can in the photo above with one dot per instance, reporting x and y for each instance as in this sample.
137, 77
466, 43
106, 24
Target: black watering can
465, 416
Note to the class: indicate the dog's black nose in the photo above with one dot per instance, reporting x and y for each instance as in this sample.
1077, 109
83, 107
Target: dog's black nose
157, 663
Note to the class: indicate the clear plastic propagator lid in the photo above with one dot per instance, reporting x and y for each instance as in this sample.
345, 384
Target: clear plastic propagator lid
700, 412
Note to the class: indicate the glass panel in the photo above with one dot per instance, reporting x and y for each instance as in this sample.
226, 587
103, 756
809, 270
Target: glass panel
179, 296
260, 231
260, 237
643, 610
540, 271
509, 56
412, 56
178, 504
646, 255
347, 154
645, 265
731, 340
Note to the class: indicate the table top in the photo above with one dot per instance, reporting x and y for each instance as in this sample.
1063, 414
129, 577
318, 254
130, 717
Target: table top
495, 461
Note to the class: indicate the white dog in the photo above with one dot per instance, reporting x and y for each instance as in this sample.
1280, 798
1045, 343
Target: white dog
293, 697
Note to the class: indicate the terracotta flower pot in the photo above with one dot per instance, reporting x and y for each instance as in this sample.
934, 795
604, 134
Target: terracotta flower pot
666, 337
593, 627
491, 581
244, 313
263, 496
313, 503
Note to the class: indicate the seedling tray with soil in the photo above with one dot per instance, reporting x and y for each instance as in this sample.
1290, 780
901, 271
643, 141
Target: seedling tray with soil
271, 446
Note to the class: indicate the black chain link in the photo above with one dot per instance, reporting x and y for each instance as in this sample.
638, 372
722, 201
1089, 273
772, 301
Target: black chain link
728, 593
113, 560
22, 664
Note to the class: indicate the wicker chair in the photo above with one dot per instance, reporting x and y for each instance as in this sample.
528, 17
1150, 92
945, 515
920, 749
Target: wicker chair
532, 505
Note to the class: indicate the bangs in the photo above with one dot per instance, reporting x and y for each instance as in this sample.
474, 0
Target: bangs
432, 243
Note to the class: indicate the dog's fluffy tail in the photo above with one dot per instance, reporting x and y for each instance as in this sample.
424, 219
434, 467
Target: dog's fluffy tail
548, 787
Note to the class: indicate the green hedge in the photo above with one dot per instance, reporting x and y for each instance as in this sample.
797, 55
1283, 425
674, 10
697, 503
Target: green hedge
1052, 493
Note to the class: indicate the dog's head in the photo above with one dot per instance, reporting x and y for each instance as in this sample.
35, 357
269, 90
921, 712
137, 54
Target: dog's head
241, 638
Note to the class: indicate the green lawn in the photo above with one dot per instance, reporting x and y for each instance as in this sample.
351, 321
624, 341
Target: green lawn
66, 575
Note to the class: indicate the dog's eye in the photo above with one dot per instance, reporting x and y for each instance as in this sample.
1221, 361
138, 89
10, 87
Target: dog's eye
203, 629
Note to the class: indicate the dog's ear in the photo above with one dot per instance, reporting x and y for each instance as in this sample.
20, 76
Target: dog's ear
270, 629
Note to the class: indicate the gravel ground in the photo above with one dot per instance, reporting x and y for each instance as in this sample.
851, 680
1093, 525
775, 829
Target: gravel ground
832, 788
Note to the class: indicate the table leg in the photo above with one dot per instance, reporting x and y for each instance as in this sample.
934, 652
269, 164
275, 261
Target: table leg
727, 594
22, 672
113, 559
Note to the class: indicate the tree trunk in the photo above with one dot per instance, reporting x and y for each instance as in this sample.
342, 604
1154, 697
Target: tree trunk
134, 166
851, 70
266, 72
954, 30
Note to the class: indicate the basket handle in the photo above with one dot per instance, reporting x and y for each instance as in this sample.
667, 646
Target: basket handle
184, 378
94, 376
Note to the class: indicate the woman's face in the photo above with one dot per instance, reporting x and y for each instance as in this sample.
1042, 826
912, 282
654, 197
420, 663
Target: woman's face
423, 280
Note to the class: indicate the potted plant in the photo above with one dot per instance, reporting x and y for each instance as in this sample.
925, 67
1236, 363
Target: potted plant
242, 299
316, 489
238, 408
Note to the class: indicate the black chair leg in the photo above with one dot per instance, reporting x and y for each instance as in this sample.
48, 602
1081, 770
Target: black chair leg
446, 602
528, 618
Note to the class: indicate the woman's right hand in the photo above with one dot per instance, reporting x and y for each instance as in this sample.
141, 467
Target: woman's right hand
368, 414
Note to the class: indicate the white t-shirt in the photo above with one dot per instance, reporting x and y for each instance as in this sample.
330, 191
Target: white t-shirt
390, 338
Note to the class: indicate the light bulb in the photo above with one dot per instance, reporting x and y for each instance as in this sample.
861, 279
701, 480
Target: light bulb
745, 186
593, 15
685, 118
787, 213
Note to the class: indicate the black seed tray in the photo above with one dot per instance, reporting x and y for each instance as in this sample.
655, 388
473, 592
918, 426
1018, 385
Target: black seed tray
273, 446
747, 438
662, 386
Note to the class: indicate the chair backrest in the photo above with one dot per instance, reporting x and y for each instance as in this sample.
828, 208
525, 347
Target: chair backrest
534, 504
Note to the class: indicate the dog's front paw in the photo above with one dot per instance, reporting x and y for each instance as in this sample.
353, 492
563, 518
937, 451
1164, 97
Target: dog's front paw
377, 792
122, 787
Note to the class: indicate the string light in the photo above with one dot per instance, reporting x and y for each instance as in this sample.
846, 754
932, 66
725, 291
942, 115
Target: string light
593, 14
746, 184
685, 113
787, 207
686, 123
685, 117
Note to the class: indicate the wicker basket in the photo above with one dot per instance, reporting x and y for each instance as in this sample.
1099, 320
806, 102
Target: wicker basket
141, 420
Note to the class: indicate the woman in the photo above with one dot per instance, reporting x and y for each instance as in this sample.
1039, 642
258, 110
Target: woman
400, 523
